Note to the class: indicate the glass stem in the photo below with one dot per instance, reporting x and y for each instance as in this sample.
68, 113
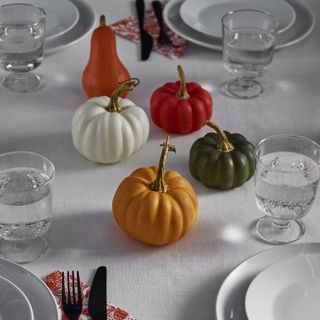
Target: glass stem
281, 224
245, 82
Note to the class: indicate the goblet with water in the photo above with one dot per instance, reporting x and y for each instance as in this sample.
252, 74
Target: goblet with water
248, 45
286, 182
22, 29
25, 204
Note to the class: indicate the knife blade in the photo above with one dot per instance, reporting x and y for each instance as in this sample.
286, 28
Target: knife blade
98, 295
145, 38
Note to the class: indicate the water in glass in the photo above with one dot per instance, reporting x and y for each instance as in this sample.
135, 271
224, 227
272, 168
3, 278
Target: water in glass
21, 46
25, 203
248, 52
281, 191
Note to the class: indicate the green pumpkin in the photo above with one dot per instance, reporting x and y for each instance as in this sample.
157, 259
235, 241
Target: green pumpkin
222, 160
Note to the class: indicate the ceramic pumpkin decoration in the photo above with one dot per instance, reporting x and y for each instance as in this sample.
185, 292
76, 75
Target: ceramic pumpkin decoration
104, 71
154, 206
109, 130
222, 160
180, 107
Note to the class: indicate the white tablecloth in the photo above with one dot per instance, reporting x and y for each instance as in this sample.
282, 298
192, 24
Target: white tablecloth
179, 281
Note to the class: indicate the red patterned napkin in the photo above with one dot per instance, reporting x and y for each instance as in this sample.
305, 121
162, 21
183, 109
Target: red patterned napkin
53, 281
129, 29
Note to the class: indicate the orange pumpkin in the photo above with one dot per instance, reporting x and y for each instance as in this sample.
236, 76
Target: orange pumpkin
104, 72
154, 206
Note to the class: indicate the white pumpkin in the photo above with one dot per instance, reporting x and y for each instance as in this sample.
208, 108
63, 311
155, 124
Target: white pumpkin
109, 130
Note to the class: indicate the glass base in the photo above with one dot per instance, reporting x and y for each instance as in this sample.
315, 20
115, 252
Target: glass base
279, 231
244, 88
21, 82
23, 251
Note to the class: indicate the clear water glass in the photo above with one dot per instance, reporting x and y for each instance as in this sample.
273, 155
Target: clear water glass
22, 30
286, 181
25, 204
248, 46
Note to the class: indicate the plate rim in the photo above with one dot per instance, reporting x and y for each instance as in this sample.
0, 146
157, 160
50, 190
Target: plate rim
205, 31
38, 280
218, 46
57, 43
289, 262
22, 293
309, 247
76, 20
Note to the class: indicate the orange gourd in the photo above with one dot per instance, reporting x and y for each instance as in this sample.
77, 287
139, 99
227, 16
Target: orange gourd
154, 206
104, 72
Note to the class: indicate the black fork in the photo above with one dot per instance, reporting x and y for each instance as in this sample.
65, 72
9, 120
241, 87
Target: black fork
72, 306
163, 39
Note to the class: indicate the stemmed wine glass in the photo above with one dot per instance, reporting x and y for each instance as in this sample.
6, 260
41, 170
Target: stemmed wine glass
286, 181
22, 29
248, 45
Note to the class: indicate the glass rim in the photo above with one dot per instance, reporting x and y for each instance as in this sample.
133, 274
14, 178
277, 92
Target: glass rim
232, 12
11, 153
43, 13
286, 135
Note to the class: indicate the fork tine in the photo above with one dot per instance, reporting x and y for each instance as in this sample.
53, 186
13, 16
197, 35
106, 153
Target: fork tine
73, 288
63, 290
79, 288
69, 294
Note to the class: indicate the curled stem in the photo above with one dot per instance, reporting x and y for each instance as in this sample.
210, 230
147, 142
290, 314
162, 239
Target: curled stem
159, 184
224, 145
128, 85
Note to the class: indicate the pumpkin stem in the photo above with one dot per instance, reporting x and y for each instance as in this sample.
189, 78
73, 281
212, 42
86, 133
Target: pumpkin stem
128, 85
224, 145
102, 20
182, 93
159, 184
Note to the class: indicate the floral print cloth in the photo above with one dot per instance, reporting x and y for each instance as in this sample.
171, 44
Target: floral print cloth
129, 29
54, 282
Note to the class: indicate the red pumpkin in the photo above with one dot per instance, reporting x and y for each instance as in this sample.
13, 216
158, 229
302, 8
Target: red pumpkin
180, 107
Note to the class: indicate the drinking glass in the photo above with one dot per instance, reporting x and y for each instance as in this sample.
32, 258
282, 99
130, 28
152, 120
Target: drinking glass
25, 204
248, 45
22, 29
286, 182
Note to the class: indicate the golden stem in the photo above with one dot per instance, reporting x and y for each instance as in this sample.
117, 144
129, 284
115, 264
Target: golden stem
224, 145
129, 85
182, 93
102, 20
159, 184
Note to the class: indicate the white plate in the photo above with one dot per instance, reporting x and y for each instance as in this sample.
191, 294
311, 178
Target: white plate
230, 303
61, 15
40, 297
289, 290
300, 29
84, 25
205, 15
14, 303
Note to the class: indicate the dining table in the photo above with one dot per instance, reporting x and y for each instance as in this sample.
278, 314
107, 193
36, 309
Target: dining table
180, 280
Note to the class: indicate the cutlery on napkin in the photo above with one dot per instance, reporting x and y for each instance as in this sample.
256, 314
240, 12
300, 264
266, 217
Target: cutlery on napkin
129, 29
145, 38
54, 282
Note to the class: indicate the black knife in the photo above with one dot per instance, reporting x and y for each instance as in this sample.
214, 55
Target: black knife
145, 38
97, 304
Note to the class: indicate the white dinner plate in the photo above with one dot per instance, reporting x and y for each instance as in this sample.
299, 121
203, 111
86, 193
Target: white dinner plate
40, 297
300, 29
61, 15
84, 25
205, 15
14, 305
230, 303
289, 290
